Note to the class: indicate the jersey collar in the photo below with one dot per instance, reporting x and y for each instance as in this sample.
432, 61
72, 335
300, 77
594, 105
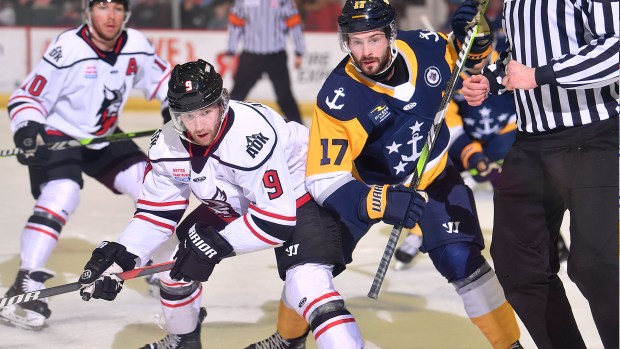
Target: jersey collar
109, 57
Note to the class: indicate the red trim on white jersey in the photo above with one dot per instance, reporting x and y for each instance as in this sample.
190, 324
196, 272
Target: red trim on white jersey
165, 79
259, 212
150, 218
158, 206
258, 235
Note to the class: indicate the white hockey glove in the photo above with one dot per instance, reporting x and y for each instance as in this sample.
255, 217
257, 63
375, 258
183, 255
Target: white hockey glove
98, 279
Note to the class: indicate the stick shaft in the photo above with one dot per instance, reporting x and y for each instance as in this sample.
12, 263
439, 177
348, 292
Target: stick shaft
60, 145
66, 288
390, 247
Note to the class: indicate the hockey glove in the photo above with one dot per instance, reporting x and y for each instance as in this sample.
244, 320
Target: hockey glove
98, 279
462, 22
28, 137
199, 253
396, 205
482, 170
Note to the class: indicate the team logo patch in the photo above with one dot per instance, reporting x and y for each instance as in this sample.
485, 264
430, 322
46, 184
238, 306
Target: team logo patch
199, 179
332, 104
255, 143
410, 106
180, 174
379, 113
56, 53
90, 72
432, 76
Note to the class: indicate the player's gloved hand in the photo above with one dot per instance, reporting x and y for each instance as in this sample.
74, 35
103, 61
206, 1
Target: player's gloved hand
482, 170
199, 253
396, 205
462, 22
98, 279
28, 137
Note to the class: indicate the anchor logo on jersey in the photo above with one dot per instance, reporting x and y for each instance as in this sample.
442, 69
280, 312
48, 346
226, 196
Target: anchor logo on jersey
416, 148
488, 125
108, 113
332, 104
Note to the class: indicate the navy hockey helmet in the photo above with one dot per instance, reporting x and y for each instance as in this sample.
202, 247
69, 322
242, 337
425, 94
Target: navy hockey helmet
193, 86
366, 15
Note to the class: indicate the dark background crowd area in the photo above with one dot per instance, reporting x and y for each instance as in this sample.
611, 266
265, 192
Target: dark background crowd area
317, 15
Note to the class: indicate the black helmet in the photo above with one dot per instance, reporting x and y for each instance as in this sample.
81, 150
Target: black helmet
124, 2
365, 15
193, 85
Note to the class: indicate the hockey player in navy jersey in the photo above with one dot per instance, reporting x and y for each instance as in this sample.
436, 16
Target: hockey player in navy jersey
372, 117
246, 165
77, 91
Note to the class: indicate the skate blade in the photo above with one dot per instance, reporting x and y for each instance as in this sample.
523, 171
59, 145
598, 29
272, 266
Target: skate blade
18, 317
398, 266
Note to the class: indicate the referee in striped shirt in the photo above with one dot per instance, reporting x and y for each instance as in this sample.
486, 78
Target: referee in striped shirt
263, 25
563, 69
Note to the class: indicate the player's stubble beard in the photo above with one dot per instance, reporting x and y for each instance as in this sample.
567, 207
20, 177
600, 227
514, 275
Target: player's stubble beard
380, 63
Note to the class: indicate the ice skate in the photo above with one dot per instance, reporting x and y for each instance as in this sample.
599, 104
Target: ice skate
181, 341
29, 315
275, 341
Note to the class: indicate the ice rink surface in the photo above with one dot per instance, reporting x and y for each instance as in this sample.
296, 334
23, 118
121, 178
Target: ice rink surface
416, 308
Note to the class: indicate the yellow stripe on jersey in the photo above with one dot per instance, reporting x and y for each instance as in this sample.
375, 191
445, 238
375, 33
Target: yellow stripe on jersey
431, 173
329, 149
511, 126
453, 119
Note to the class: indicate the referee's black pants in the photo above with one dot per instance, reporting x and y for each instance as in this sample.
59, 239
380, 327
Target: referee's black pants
543, 175
251, 68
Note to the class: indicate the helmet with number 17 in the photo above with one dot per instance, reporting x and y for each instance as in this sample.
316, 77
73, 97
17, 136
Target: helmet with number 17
366, 15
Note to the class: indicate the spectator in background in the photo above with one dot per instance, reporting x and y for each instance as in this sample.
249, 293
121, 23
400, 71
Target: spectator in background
193, 14
7, 13
320, 15
218, 14
151, 14
71, 15
263, 25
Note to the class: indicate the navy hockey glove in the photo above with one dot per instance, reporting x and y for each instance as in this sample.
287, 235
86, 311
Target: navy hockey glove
395, 205
462, 22
98, 279
28, 137
482, 170
199, 253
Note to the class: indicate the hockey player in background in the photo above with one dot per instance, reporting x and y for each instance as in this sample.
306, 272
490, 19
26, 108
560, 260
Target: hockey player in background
77, 91
246, 165
480, 137
372, 118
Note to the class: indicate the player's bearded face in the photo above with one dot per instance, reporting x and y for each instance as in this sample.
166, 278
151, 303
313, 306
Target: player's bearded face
203, 124
370, 51
106, 20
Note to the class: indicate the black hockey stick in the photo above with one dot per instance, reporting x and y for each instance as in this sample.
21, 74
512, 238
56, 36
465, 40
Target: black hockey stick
66, 288
428, 148
60, 145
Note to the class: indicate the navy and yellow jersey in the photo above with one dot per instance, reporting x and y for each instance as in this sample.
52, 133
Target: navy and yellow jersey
489, 128
365, 132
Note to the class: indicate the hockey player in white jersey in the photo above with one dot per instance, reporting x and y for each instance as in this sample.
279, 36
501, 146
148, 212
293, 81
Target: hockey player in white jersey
77, 91
246, 165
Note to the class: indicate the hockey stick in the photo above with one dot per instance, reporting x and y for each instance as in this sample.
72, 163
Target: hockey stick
66, 288
428, 148
60, 145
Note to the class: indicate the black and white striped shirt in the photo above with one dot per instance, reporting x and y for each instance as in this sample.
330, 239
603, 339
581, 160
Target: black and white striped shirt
264, 24
574, 46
